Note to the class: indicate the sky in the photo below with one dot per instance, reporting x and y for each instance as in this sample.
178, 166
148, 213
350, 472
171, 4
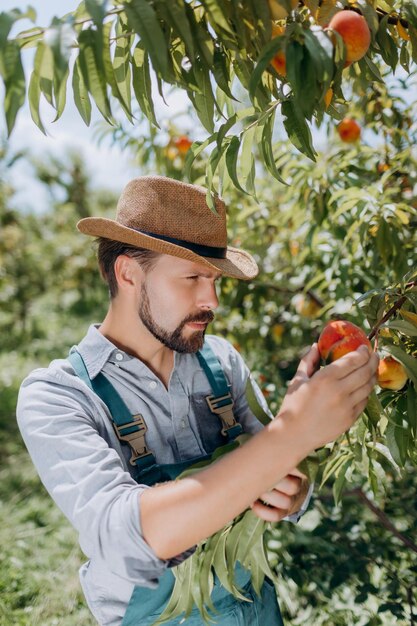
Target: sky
107, 165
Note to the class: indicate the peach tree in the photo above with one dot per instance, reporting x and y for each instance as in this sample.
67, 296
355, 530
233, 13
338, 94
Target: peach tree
333, 229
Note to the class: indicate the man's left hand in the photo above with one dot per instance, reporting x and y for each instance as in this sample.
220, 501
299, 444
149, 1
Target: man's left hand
284, 499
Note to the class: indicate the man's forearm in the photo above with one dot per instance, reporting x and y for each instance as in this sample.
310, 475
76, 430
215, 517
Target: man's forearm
177, 515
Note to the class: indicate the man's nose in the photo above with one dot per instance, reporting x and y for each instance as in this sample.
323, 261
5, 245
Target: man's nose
208, 296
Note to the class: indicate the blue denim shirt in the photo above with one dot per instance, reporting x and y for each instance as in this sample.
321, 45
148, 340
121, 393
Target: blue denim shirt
85, 468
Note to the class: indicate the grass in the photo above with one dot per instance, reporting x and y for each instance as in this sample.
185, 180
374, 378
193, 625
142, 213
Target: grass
39, 556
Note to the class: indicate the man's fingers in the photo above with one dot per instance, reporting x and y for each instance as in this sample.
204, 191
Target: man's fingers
290, 484
360, 395
309, 362
352, 361
268, 514
277, 499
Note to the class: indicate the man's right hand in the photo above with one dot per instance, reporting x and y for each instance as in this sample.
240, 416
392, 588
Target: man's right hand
327, 402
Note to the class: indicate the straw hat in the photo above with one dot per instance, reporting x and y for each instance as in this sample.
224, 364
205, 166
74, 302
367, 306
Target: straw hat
172, 217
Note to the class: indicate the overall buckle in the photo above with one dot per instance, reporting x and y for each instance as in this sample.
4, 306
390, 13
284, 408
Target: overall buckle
135, 438
225, 411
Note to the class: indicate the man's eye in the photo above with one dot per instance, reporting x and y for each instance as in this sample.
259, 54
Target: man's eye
192, 277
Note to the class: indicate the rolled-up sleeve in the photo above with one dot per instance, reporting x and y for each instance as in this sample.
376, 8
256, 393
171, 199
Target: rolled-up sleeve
86, 478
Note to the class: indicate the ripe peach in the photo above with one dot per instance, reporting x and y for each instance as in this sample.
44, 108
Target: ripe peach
355, 33
279, 12
339, 337
391, 374
349, 130
183, 144
279, 62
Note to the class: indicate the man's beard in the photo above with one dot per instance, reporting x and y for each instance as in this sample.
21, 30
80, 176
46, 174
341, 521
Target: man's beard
173, 340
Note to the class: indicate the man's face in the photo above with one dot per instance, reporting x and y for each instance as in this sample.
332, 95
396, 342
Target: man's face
177, 299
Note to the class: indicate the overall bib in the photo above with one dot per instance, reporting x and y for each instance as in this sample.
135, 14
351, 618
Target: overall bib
146, 605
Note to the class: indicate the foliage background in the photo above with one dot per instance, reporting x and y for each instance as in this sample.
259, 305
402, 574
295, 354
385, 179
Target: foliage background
339, 239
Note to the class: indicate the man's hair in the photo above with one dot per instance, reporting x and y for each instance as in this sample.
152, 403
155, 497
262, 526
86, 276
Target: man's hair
107, 253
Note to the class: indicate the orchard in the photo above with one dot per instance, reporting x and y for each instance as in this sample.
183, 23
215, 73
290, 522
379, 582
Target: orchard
302, 115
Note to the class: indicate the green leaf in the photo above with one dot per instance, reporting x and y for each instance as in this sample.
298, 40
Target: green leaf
397, 436
34, 92
176, 16
310, 466
122, 70
410, 317
97, 9
267, 125
220, 561
406, 328
374, 409
412, 409
254, 405
218, 18
60, 37
61, 96
110, 71
80, 91
232, 153
221, 72
8, 18
143, 19
203, 98
14, 82
297, 129
213, 162
263, 62
247, 159
194, 151
142, 84
409, 362
387, 47
92, 68
46, 73
251, 532
340, 481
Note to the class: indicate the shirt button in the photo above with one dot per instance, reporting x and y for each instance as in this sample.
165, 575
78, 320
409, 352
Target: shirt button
153, 385
183, 423
119, 356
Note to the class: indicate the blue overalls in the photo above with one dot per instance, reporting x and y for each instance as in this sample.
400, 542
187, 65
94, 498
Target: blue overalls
146, 605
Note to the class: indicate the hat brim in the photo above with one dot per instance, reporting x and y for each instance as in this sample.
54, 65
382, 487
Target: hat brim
237, 263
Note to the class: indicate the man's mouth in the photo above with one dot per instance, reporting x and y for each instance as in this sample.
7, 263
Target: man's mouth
197, 325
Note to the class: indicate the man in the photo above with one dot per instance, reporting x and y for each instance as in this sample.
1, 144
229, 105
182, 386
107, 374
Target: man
145, 395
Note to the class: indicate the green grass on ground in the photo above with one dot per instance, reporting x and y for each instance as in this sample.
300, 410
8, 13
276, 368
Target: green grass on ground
39, 557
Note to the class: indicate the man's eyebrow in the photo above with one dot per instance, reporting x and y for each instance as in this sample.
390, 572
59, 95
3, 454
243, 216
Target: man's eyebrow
205, 274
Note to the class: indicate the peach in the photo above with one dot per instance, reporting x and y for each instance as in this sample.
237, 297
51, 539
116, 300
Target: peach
279, 63
355, 33
391, 374
339, 337
349, 130
183, 144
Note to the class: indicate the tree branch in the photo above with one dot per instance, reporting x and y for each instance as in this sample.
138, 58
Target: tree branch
397, 305
384, 519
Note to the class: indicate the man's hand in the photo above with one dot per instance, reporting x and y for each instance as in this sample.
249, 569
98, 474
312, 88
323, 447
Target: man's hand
325, 403
284, 499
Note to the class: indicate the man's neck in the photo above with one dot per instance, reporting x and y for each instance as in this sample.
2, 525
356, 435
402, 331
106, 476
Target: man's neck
130, 335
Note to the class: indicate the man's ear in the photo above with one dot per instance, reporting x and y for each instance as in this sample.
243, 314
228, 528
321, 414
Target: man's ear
128, 272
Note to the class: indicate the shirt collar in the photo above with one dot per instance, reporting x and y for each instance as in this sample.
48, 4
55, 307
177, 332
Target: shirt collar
95, 350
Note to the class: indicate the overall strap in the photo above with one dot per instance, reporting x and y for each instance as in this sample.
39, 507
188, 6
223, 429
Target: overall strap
128, 427
221, 402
